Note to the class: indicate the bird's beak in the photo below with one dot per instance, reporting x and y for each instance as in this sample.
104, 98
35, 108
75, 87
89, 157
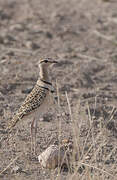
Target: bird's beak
53, 62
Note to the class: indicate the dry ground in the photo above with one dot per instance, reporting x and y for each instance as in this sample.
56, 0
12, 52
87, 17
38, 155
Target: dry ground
82, 35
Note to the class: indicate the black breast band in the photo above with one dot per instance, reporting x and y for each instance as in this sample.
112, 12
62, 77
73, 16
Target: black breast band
46, 82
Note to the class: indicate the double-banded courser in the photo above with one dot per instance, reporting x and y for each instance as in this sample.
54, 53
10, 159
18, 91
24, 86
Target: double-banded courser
37, 102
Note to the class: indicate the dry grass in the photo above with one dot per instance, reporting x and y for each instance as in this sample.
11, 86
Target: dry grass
93, 152
92, 162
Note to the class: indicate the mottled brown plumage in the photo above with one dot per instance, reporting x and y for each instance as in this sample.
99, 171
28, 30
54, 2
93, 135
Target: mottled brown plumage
38, 100
32, 102
36, 103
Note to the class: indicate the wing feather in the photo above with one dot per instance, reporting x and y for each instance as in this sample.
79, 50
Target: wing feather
31, 103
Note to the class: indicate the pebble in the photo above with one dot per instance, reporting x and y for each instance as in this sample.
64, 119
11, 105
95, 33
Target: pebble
52, 157
16, 169
32, 45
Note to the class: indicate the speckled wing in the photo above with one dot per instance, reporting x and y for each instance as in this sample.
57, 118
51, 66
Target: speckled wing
31, 103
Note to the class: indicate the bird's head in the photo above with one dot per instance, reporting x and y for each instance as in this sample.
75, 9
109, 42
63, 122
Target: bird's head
46, 62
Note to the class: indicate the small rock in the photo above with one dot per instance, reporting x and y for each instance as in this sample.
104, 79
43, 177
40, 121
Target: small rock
10, 53
16, 169
49, 35
4, 15
17, 27
35, 46
49, 158
87, 158
41, 119
32, 45
53, 157
10, 37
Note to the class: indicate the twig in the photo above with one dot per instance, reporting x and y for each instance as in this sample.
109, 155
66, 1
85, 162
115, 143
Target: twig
10, 163
18, 50
108, 38
69, 106
101, 170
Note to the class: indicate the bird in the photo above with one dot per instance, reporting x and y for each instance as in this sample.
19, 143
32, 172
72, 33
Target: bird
37, 101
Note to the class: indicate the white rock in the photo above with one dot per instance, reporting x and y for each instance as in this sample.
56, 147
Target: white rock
52, 157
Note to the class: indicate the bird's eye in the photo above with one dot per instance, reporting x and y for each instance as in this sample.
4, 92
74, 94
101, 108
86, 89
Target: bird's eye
46, 61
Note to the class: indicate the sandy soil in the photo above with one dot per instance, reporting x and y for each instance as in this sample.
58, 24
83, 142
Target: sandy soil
82, 36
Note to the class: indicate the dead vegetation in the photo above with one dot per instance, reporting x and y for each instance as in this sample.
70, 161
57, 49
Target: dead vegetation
82, 36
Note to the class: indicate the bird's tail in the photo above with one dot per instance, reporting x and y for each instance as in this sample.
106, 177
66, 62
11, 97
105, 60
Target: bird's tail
13, 122
10, 126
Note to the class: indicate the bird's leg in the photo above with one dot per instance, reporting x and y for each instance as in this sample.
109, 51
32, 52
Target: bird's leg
35, 133
31, 134
33, 127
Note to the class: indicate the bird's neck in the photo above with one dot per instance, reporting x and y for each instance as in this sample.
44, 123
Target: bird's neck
44, 74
